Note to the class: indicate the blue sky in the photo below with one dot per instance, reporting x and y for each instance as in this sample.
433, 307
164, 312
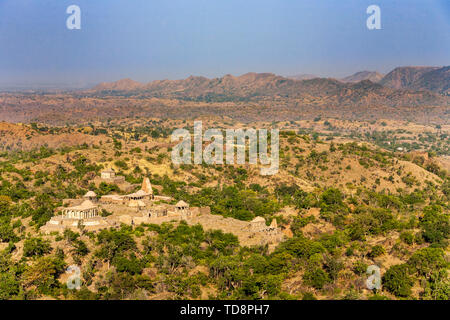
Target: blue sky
172, 39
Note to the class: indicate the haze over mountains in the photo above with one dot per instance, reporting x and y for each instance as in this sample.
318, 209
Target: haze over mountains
433, 79
419, 94
305, 76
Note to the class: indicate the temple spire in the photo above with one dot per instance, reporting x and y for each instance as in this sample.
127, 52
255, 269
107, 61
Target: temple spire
147, 186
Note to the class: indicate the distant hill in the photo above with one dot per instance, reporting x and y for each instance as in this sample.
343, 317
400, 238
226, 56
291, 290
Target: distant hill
364, 75
419, 78
121, 85
303, 77
436, 80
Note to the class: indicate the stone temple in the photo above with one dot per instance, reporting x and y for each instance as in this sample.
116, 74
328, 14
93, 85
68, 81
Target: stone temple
109, 211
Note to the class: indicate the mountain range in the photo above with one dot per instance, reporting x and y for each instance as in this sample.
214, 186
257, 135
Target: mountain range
402, 86
414, 93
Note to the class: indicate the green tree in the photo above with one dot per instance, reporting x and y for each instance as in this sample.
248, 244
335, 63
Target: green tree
36, 247
9, 286
427, 260
397, 281
43, 274
316, 278
5, 205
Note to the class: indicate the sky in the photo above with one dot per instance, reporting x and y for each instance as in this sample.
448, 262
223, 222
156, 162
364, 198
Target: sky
172, 39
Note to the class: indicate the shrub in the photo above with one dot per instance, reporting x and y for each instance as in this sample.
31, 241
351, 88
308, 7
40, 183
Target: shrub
378, 297
121, 164
360, 267
308, 296
376, 251
407, 237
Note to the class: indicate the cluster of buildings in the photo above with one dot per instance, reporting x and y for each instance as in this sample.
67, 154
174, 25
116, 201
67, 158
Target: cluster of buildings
93, 213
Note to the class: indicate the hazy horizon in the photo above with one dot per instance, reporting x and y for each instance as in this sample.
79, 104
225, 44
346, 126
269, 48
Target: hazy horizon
154, 40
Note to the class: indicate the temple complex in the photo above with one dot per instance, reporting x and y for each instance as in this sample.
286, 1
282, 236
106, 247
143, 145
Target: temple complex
143, 206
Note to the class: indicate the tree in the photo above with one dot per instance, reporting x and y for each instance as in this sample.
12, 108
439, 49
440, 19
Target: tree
9, 286
36, 247
80, 248
43, 274
9, 282
427, 260
435, 225
332, 196
43, 211
5, 205
257, 263
7, 233
437, 287
397, 281
316, 278
114, 242
132, 266
333, 265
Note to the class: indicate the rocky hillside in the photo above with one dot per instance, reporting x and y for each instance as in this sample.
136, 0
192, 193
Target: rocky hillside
436, 80
24, 137
419, 78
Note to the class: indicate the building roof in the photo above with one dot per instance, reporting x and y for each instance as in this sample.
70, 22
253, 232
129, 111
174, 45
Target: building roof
108, 171
112, 196
90, 194
181, 203
140, 193
259, 219
86, 205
